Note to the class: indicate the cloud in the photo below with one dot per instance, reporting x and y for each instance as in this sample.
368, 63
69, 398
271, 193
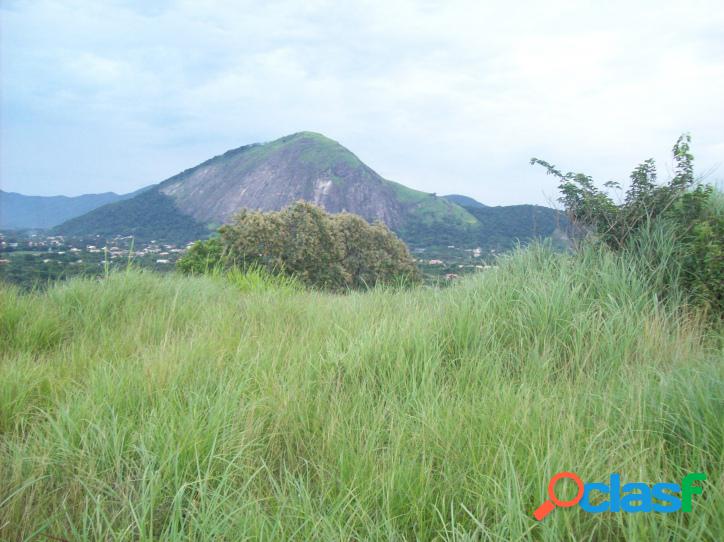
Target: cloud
449, 96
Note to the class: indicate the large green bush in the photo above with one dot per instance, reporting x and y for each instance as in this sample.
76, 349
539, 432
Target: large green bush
320, 249
691, 256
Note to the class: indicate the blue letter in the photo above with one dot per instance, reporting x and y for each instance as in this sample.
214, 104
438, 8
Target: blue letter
674, 502
643, 496
586, 499
615, 492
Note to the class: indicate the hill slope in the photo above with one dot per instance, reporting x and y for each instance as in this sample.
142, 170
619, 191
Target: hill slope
148, 407
464, 201
502, 227
149, 215
271, 176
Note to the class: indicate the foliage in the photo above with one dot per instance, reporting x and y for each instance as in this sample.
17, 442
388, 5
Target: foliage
26, 269
501, 228
701, 213
142, 407
255, 279
692, 209
149, 215
319, 249
202, 257
372, 254
464, 201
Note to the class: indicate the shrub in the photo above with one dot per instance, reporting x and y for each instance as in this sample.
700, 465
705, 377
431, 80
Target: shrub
319, 249
202, 257
691, 212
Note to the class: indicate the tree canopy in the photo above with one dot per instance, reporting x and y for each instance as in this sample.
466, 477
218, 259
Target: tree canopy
330, 251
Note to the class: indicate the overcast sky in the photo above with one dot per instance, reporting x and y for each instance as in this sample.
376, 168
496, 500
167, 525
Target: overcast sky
446, 97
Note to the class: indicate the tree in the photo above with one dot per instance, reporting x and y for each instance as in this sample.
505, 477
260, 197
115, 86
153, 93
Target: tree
320, 249
372, 254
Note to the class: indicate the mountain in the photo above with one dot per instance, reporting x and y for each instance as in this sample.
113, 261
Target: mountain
503, 226
270, 176
18, 211
149, 215
311, 167
464, 201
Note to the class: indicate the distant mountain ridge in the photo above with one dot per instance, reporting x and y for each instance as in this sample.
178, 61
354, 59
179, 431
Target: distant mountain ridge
306, 166
18, 211
503, 226
150, 215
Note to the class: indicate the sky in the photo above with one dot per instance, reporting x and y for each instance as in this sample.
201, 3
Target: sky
443, 96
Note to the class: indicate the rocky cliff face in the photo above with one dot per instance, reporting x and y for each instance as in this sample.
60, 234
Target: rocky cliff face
268, 177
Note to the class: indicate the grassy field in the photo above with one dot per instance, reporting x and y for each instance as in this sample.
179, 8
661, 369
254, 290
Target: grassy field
146, 407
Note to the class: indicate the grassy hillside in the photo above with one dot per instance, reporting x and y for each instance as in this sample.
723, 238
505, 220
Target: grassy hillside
502, 227
464, 201
143, 407
431, 220
150, 215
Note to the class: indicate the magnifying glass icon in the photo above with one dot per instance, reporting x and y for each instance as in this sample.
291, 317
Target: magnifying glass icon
547, 507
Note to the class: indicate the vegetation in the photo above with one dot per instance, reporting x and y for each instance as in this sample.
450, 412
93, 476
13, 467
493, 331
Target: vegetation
320, 249
203, 257
469, 223
693, 214
432, 221
149, 215
144, 407
31, 260
501, 228
26, 269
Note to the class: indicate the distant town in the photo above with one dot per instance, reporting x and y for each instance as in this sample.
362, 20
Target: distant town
31, 259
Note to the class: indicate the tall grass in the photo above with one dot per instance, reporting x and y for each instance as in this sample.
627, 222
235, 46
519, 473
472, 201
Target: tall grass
143, 407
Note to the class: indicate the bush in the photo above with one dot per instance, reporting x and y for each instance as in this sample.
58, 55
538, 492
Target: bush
202, 257
701, 215
691, 258
319, 249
